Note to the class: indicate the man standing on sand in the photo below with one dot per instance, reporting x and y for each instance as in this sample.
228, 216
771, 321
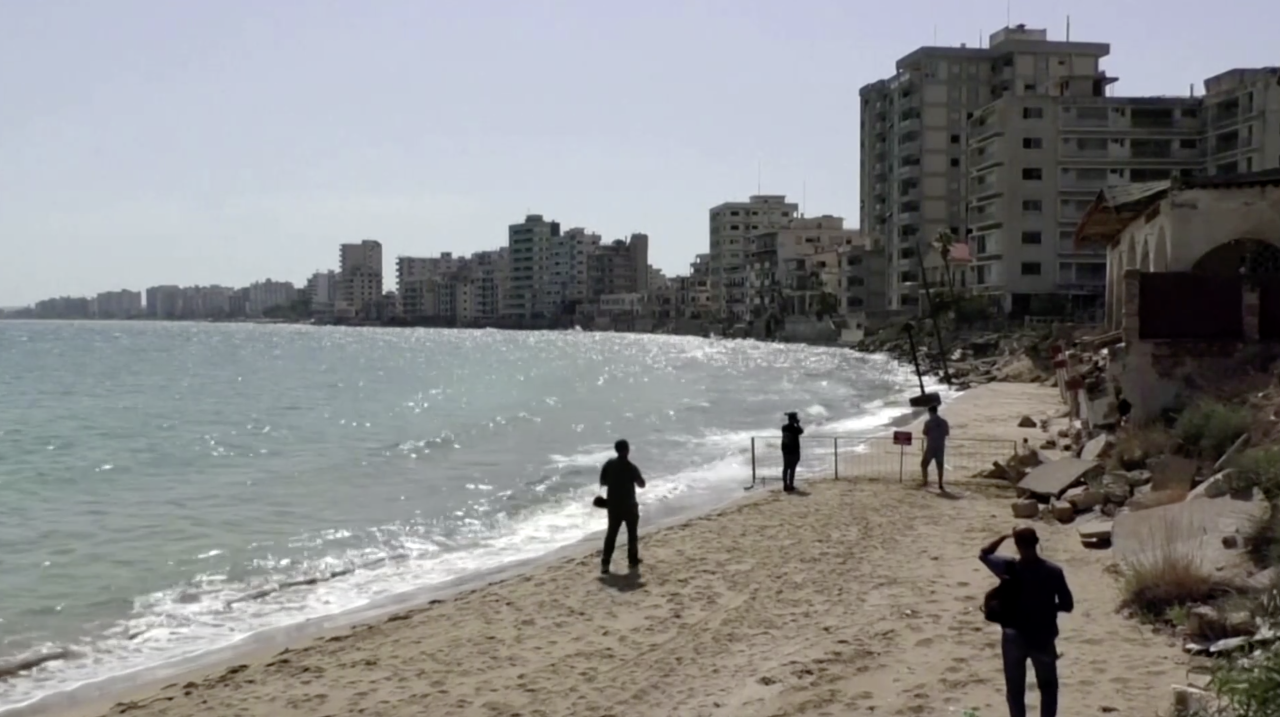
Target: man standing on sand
621, 477
791, 451
1037, 592
936, 430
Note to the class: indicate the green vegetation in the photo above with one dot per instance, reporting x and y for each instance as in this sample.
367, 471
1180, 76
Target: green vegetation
1208, 429
1258, 468
1249, 685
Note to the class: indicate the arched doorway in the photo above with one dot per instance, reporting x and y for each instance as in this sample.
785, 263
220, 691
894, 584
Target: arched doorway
1240, 257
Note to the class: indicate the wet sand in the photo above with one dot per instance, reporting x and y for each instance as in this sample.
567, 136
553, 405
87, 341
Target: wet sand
857, 596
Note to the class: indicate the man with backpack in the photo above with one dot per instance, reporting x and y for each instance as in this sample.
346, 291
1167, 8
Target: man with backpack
1026, 603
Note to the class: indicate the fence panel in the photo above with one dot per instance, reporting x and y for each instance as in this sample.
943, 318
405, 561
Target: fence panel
875, 457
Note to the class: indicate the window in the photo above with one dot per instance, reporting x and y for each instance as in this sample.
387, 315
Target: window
734, 227
1190, 113
955, 161
1188, 144
1032, 143
1029, 88
1031, 268
733, 213
955, 139
1032, 113
1032, 174
1033, 206
1030, 238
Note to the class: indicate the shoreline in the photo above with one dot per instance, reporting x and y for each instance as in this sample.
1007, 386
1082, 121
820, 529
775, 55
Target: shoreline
324, 635
95, 696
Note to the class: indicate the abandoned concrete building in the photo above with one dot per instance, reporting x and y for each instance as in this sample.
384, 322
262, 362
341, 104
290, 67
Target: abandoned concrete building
1193, 280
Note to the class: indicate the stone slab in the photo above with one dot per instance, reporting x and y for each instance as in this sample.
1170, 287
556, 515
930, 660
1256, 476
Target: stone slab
1194, 527
1094, 448
1172, 473
1054, 478
1095, 530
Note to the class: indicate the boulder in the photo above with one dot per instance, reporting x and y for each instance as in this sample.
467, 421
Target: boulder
1084, 498
1138, 478
1063, 512
1027, 422
1049, 445
1026, 509
1115, 486
1217, 486
1094, 531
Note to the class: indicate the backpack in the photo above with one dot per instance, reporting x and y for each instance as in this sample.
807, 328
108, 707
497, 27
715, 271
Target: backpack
998, 603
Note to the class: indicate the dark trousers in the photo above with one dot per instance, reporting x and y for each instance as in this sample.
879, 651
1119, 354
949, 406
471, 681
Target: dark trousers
617, 518
789, 463
1044, 660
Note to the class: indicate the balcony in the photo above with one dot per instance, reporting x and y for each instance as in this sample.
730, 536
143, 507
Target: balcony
987, 214
1077, 183
907, 171
911, 124
909, 217
1086, 117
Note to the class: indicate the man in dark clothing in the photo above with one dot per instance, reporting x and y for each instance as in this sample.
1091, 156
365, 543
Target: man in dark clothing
790, 451
621, 478
936, 431
1037, 594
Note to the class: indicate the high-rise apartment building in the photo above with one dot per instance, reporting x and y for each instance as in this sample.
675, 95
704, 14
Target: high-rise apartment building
360, 278
916, 137
620, 267
732, 226
269, 294
529, 256
547, 269
564, 282
123, 304
1004, 147
418, 279
485, 285
1242, 120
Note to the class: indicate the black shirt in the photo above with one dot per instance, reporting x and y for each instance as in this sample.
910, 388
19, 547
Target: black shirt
620, 476
1040, 593
791, 438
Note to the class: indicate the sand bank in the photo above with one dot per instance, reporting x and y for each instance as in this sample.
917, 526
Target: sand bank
859, 597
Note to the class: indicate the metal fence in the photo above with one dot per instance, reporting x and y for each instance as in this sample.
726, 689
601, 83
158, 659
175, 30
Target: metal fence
874, 456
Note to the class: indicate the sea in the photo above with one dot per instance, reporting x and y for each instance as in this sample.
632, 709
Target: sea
168, 489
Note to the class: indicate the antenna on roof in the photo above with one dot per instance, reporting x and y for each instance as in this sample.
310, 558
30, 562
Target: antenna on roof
804, 195
1068, 28
759, 174
1008, 13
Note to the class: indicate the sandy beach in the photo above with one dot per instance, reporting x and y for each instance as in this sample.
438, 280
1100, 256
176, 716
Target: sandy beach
857, 597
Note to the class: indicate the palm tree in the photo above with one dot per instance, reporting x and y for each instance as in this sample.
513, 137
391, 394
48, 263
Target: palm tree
943, 242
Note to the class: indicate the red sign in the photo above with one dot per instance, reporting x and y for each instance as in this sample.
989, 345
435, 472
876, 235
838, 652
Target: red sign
902, 438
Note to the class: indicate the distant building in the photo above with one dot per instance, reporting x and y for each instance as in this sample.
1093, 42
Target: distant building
264, 295
164, 302
620, 267
123, 304
732, 225
360, 279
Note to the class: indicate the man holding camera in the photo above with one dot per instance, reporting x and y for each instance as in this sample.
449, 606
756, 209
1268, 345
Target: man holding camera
791, 451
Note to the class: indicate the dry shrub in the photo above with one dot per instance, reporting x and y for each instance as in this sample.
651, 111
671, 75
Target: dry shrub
1136, 444
1170, 574
1207, 429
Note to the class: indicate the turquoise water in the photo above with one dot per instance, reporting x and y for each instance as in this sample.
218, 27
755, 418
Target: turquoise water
166, 489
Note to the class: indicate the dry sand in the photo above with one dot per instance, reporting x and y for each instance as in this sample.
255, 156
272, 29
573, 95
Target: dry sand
859, 598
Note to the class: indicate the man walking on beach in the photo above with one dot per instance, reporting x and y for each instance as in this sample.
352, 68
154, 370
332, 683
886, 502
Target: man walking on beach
621, 477
936, 431
791, 451
1034, 591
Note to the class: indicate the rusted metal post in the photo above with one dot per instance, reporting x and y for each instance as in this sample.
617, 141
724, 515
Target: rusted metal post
835, 448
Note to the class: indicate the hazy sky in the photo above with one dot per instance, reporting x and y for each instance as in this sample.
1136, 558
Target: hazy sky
222, 141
